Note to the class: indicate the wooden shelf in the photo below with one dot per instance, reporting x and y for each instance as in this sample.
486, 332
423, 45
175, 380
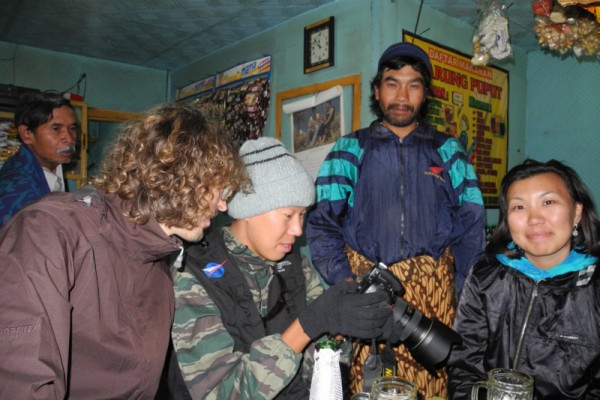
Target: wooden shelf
101, 114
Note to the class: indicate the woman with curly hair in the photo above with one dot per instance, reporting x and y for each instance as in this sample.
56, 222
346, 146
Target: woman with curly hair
86, 301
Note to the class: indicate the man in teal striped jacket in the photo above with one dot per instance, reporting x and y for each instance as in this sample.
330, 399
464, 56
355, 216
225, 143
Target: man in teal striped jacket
401, 193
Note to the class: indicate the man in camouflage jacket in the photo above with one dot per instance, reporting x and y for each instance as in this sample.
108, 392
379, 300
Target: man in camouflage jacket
248, 303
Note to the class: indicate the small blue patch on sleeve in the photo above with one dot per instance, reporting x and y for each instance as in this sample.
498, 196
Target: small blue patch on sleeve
214, 270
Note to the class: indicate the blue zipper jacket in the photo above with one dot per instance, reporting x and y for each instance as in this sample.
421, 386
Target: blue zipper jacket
22, 181
391, 199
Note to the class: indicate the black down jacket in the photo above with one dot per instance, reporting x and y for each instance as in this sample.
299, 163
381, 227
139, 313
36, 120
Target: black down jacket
553, 325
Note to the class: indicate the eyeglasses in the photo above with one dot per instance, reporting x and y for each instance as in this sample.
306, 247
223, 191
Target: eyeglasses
281, 302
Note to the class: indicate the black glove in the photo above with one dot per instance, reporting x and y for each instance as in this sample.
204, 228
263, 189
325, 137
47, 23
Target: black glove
393, 327
341, 310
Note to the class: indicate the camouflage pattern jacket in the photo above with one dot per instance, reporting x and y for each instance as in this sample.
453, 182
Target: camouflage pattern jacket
211, 361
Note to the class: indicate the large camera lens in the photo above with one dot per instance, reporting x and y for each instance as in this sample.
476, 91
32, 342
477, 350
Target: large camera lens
428, 340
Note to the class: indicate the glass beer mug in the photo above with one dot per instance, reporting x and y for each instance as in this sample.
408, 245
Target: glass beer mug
505, 384
392, 388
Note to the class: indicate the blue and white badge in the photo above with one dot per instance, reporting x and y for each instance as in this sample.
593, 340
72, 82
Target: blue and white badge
214, 270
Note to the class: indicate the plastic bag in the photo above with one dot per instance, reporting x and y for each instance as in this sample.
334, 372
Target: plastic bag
327, 379
491, 39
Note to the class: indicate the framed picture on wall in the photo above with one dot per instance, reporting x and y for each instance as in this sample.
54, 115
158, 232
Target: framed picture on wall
470, 103
316, 123
314, 118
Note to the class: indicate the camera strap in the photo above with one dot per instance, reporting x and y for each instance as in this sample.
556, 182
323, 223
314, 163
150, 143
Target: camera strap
372, 368
389, 361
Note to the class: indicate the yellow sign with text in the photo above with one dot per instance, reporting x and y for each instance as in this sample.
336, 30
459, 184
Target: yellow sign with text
470, 103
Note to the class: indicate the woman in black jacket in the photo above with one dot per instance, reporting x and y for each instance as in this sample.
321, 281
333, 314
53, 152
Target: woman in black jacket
533, 303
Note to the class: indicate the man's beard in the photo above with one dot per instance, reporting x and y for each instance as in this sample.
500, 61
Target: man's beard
400, 123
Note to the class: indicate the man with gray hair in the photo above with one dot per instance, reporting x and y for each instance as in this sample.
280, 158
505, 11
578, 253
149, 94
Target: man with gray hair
47, 127
247, 303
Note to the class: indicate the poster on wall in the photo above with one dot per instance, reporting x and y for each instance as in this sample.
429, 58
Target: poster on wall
9, 137
260, 67
470, 103
316, 123
244, 71
196, 89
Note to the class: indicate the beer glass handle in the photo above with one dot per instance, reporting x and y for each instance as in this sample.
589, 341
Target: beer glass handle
475, 390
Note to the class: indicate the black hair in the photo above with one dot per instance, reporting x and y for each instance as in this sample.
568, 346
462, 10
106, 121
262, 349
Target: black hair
398, 63
588, 228
35, 108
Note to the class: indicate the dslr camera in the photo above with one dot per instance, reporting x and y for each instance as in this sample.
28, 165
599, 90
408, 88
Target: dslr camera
428, 340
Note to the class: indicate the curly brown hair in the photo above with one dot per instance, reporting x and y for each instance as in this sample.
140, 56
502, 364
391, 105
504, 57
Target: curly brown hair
168, 163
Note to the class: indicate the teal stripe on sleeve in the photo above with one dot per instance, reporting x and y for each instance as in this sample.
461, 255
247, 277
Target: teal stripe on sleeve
335, 192
460, 170
350, 145
449, 149
472, 195
340, 167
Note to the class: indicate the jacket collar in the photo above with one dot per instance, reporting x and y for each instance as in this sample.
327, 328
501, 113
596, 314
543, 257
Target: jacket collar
378, 131
147, 242
566, 281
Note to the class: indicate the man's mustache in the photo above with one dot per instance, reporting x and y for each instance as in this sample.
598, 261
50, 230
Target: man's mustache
66, 150
401, 106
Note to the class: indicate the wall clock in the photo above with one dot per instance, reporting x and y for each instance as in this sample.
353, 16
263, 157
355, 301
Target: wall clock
318, 45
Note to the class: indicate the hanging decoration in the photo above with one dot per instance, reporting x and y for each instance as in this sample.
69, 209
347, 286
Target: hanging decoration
570, 28
238, 96
594, 9
491, 39
592, 6
242, 108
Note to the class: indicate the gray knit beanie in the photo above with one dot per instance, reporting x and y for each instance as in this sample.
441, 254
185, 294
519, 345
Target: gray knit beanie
278, 180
